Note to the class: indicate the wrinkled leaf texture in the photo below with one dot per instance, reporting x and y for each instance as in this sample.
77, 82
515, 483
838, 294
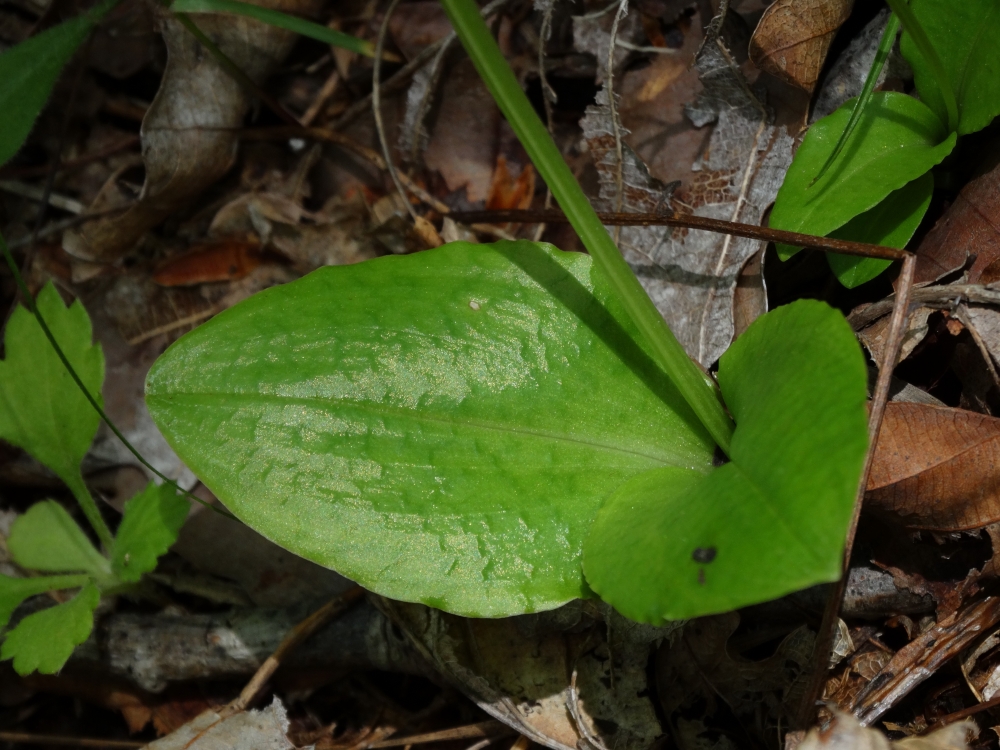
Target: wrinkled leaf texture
897, 140
964, 35
674, 544
439, 427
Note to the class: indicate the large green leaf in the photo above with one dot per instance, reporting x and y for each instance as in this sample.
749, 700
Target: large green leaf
897, 140
150, 524
47, 538
28, 72
963, 34
439, 427
41, 408
891, 223
45, 640
673, 544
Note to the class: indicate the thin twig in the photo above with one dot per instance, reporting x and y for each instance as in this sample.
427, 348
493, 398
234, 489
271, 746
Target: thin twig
322, 97
827, 629
548, 95
690, 221
296, 636
484, 729
377, 110
965, 713
27, 738
947, 296
613, 108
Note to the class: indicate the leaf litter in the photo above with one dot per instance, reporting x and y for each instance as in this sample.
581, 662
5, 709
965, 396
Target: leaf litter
184, 247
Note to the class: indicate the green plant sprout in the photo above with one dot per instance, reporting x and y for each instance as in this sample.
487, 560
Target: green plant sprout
864, 172
43, 412
500, 429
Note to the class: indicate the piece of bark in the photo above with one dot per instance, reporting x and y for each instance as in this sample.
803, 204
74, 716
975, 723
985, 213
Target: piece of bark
793, 37
936, 468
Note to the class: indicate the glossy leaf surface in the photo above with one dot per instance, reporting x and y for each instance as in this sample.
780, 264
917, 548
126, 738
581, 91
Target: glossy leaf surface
28, 72
964, 35
891, 223
41, 408
897, 140
47, 538
150, 524
672, 544
439, 427
44, 641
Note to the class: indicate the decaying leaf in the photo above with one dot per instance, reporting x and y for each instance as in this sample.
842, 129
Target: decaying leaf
508, 192
873, 337
935, 467
190, 132
691, 275
793, 37
968, 229
520, 670
266, 729
845, 733
216, 261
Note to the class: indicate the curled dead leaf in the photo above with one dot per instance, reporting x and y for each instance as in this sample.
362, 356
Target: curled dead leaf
847, 733
936, 468
793, 37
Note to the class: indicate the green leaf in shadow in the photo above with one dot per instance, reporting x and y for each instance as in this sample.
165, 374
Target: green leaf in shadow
47, 538
898, 140
41, 408
963, 34
45, 640
672, 544
891, 223
28, 72
13, 591
150, 524
440, 427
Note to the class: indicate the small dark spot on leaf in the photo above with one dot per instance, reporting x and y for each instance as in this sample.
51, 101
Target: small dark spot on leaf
703, 554
719, 458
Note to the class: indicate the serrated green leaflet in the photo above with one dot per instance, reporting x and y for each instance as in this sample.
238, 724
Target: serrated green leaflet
897, 140
891, 224
13, 591
43, 641
439, 427
47, 538
963, 34
41, 409
150, 524
670, 544
28, 72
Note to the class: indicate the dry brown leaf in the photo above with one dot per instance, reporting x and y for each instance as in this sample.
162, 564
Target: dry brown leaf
509, 192
266, 729
518, 669
968, 228
846, 733
937, 468
190, 132
208, 262
793, 37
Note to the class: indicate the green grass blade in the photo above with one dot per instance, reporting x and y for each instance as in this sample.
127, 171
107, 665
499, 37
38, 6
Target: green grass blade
912, 27
281, 20
695, 386
881, 55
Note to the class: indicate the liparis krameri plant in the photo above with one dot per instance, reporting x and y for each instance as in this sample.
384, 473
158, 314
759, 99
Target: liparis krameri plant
499, 429
863, 173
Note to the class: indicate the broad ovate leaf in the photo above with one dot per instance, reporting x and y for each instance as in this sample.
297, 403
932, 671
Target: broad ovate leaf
41, 409
897, 140
150, 524
47, 538
963, 35
440, 427
29, 70
891, 224
673, 544
13, 591
45, 640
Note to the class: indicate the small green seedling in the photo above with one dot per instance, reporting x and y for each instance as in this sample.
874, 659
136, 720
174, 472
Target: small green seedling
44, 412
864, 172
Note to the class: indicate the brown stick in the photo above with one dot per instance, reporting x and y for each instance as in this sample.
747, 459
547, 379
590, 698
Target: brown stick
689, 221
491, 728
827, 629
296, 636
27, 738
